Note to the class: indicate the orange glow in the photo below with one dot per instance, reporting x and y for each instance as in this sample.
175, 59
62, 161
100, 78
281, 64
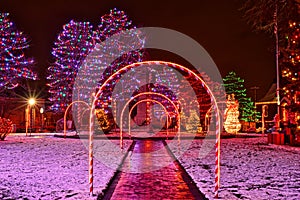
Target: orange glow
145, 93
179, 67
31, 101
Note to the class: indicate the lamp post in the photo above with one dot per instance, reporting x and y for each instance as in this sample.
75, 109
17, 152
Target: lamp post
26, 118
254, 88
277, 123
42, 120
31, 102
264, 114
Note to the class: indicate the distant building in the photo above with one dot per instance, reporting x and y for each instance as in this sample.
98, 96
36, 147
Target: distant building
269, 100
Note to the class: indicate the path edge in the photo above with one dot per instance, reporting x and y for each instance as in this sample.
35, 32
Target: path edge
108, 191
185, 175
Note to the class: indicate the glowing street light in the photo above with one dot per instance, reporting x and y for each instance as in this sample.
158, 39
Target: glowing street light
42, 120
31, 102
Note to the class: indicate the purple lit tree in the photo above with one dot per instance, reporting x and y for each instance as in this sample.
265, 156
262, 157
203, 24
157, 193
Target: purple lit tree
110, 24
14, 66
73, 45
71, 48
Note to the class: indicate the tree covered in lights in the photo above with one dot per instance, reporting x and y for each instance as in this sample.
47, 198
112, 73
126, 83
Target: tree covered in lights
235, 85
73, 45
14, 66
70, 49
193, 122
110, 24
290, 62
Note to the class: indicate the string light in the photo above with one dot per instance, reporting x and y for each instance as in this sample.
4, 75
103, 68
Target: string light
70, 49
290, 62
73, 45
14, 66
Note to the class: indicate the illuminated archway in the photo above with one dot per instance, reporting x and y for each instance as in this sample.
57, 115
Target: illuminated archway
66, 112
141, 94
206, 121
172, 65
148, 93
147, 100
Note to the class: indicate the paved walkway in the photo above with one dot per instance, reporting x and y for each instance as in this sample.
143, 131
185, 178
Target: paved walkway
149, 173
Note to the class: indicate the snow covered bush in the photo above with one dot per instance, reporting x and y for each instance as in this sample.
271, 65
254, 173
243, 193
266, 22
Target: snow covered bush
5, 127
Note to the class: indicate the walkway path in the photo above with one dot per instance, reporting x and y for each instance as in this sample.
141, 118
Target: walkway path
150, 173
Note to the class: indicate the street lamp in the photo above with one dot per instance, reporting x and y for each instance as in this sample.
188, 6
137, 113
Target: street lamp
31, 102
42, 120
277, 123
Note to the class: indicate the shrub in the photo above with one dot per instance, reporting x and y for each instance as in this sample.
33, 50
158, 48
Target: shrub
6, 127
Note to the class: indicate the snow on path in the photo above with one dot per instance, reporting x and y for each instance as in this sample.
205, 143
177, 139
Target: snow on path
54, 168
250, 169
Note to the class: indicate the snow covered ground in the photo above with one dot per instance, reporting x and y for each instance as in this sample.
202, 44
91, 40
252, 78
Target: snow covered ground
250, 169
46, 167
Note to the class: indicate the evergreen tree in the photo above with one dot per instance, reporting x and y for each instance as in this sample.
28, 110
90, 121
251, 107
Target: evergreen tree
272, 17
183, 120
193, 122
71, 48
235, 85
110, 24
14, 66
290, 59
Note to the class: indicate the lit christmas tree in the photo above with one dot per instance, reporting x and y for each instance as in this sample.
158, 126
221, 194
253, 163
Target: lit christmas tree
235, 85
193, 123
111, 24
203, 98
183, 120
290, 62
14, 66
71, 48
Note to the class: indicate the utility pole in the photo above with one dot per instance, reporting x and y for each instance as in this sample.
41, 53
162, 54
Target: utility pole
277, 65
254, 88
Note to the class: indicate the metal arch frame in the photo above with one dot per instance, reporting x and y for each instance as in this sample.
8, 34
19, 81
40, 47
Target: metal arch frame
173, 65
179, 116
147, 93
205, 118
141, 94
65, 115
146, 100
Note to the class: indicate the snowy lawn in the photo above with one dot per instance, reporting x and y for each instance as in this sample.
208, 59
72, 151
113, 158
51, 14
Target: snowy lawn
250, 169
54, 168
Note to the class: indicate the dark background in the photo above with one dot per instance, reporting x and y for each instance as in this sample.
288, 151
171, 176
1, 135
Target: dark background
217, 25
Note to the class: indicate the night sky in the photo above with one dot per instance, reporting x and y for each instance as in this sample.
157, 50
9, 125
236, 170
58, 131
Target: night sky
216, 24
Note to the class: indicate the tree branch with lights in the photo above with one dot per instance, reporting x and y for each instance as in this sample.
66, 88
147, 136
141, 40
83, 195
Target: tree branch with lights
15, 67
